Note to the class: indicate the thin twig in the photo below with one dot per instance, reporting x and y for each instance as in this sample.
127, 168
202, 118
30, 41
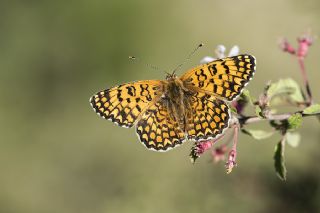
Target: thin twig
305, 79
277, 117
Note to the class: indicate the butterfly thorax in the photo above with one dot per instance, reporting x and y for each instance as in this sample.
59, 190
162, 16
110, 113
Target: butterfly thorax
177, 100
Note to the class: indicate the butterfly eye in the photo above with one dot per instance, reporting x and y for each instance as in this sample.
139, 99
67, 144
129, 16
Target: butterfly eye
164, 98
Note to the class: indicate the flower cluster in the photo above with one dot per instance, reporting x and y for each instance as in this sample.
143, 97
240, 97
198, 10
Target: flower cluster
221, 53
304, 42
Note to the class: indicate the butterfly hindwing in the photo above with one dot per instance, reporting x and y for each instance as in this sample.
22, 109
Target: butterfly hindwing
224, 78
157, 131
210, 117
125, 103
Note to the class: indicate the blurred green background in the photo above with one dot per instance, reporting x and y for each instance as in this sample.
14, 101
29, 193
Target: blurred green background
57, 155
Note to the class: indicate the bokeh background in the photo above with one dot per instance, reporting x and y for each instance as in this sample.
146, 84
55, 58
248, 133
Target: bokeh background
57, 155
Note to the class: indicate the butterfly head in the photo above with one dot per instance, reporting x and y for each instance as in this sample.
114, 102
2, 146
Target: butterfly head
171, 76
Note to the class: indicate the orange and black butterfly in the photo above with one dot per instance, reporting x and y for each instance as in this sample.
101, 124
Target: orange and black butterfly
168, 112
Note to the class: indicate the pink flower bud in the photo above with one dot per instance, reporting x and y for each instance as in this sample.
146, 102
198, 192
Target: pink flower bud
304, 42
203, 146
239, 105
286, 46
218, 154
231, 161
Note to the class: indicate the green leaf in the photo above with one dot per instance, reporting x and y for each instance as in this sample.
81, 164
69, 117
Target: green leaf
233, 109
313, 109
246, 94
259, 112
294, 121
285, 87
279, 160
293, 139
257, 134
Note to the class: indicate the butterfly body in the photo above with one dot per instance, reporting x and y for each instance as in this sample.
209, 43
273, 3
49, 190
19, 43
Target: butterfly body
177, 99
168, 112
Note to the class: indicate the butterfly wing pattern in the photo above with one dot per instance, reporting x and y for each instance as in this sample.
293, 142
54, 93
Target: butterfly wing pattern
224, 78
124, 104
157, 131
142, 104
210, 117
216, 83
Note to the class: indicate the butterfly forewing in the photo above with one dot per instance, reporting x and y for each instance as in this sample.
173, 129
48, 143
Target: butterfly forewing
224, 78
124, 104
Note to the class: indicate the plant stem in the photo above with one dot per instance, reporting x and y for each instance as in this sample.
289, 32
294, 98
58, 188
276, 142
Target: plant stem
231, 162
305, 79
277, 117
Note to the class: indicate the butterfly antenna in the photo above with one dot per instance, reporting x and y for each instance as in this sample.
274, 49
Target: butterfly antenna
146, 64
188, 58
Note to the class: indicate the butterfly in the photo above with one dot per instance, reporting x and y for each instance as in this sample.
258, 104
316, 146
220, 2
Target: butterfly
168, 112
